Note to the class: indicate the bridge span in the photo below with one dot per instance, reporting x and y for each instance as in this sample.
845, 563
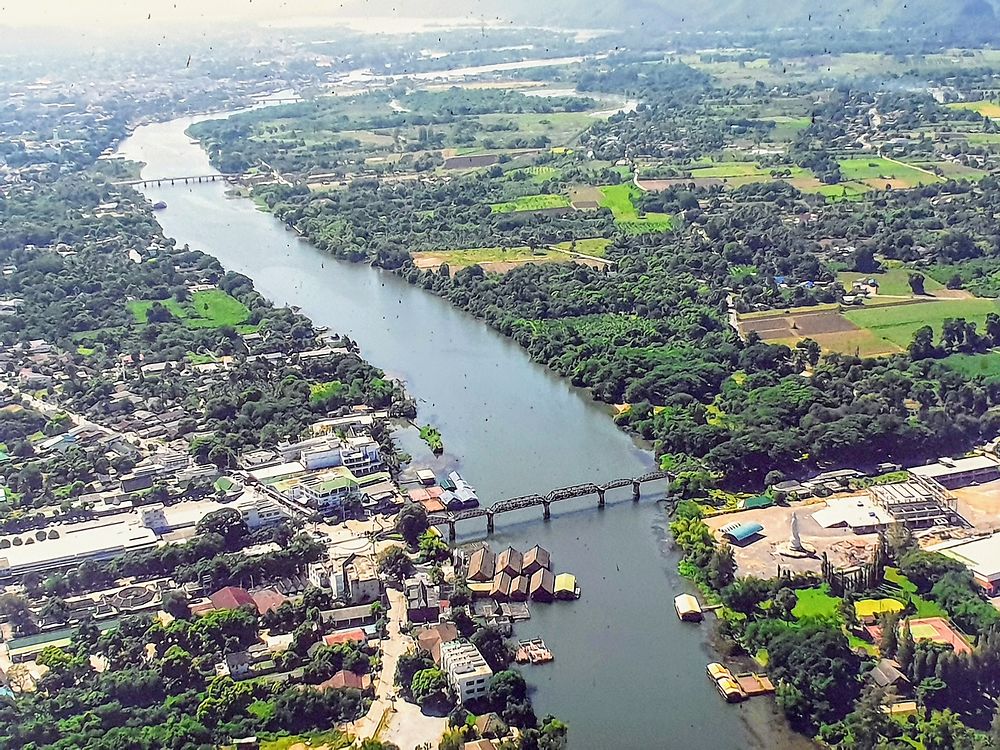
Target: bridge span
529, 501
182, 180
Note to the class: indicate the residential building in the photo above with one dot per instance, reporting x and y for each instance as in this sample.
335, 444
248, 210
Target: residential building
327, 491
232, 597
423, 601
510, 561
536, 559
482, 565
430, 638
467, 671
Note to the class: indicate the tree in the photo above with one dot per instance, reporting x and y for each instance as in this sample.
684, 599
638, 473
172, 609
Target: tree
944, 730
15, 608
922, 345
916, 281
394, 563
905, 649
493, 646
411, 522
868, 726
721, 567
175, 604
227, 523
429, 687
433, 547
888, 642
864, 260
407, 667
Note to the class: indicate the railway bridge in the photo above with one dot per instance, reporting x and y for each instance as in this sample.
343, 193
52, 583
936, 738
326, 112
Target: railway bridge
529, 501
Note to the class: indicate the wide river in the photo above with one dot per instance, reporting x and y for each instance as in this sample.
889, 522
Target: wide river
627, 673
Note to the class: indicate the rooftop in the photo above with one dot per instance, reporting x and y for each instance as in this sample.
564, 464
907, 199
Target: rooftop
947, 466
981, 556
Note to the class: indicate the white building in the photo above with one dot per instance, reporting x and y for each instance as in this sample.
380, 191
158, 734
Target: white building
353, 579
360, 454
467, 671
68, 545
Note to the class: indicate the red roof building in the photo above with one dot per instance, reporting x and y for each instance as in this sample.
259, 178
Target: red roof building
267, 600
357, 635
232, 597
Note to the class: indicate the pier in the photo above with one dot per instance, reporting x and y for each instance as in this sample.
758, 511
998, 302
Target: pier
530, 501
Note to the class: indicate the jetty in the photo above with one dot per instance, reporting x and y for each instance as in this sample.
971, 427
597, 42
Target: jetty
533, 651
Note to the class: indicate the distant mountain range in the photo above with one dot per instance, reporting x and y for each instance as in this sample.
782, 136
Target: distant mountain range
711, 15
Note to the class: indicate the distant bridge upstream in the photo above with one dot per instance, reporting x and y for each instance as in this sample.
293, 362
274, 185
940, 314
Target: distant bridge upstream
182, 180
529, 501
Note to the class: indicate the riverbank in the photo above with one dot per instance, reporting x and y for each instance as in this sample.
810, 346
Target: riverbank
625, 666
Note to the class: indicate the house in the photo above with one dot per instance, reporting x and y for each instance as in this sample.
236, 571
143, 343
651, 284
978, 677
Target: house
536, 559
235, 665
510, 561
346, 679
483, 744
491, 726
363, 583
232, 597
542, 586
345, 617
423, 601
355, 635
467, 671
482, 564
519, 589
267, 600
500, 589
888, 674
430, 638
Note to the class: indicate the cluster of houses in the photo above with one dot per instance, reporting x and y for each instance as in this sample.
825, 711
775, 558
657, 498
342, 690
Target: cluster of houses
513, 576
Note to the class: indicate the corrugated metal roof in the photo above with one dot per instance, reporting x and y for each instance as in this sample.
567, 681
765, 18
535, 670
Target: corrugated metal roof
744, 531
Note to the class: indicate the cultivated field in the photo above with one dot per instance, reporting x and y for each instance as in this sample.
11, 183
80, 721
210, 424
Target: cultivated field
495, 259
986, 108
531, 203
976, 365
877, 172
898, 323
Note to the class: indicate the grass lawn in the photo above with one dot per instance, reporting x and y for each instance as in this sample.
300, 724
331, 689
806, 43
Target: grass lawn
876, 171
986, 108
530, 203
199, 359
816, 602
893, 282
620, 200
595, 246
924, 607
85, 351
871, 607
897, 323
976, 365
211, 308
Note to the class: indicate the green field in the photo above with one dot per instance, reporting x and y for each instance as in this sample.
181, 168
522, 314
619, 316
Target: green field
986, 108
985, 366
536, 173
878, 172
924, 607
206, 309
530, 203
846, 191
816, 602
595, 246
893, 282
619, 199
897, 323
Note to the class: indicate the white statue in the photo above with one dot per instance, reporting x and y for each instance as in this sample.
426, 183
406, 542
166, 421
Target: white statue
796, 543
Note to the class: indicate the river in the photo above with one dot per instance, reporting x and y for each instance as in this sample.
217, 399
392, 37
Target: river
627, 673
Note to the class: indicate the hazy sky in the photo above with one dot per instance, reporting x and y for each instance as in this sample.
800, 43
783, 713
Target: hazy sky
128, 12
